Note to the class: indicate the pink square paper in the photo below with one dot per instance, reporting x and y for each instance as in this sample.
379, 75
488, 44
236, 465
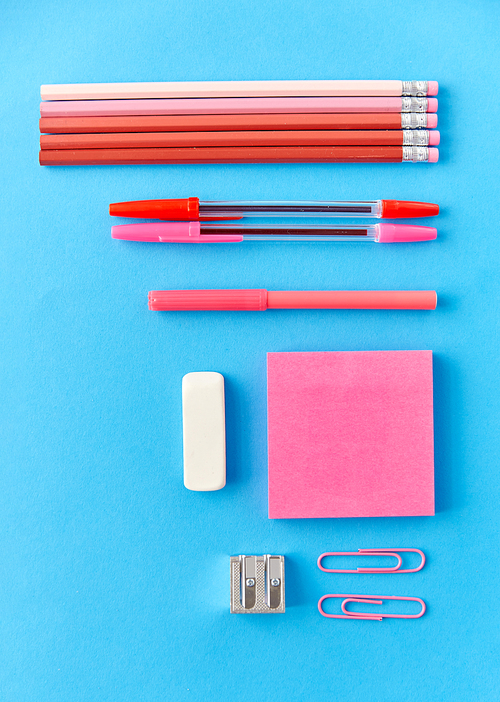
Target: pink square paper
350, 434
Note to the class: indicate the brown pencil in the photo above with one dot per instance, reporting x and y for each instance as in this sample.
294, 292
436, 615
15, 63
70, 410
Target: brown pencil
155, 140
234, 154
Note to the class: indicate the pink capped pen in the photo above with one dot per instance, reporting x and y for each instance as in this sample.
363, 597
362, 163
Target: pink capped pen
231, 232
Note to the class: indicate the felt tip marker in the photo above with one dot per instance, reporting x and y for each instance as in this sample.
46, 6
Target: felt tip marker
222, 233
260, 300
238, 88
192, 209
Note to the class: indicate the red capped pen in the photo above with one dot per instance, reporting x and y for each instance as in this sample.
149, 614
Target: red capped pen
192, 209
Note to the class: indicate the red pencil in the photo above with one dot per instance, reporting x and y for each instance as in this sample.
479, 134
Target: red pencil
234, 154
158, 140
223, 123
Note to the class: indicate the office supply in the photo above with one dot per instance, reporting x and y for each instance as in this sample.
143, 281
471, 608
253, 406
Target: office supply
236, 88
204, 432
228, 106
221, 232
369, 599
193, 208
240, 154
311, 137
218, 123
257, 584
393, 552
260, 300
350, 434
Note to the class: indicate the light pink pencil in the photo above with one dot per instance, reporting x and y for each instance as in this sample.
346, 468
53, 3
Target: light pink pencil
231, 106
241, 88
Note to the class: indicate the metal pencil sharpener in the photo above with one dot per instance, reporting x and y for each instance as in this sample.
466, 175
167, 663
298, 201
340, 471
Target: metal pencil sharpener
257, 584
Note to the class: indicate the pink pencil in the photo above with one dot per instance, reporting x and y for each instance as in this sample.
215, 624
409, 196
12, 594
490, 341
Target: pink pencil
237, 88
227, 106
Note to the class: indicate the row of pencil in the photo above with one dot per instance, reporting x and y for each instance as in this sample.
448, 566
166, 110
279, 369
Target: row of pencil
239, 122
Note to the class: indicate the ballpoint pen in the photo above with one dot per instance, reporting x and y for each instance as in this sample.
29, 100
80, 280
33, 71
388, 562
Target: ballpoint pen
192, 209
223, 233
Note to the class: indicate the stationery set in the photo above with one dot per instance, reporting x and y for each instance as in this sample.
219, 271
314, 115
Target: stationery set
350, 433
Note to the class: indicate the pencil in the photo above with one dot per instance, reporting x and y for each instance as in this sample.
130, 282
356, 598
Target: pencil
240, 88
153, 140
233, 154
222, 123
226, 106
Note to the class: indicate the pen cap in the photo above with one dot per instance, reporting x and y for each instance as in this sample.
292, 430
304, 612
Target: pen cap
187, 209
398, 209
393, 233
170, 232
249, 300
179, 232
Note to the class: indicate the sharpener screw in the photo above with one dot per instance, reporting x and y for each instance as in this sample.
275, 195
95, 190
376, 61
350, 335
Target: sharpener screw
250, 582
275, 582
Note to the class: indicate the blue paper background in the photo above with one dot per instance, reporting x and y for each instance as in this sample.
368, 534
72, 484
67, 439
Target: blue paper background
114, 578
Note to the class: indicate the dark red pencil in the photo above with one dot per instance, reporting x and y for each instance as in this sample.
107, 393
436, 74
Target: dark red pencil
235, 154
155, 140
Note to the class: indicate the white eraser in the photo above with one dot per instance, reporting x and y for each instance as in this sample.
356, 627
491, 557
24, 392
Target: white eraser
204, 431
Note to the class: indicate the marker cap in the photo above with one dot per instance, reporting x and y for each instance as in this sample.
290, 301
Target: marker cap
397, 209
175, 300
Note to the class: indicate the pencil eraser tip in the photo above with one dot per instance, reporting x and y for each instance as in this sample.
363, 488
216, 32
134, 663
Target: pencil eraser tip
432, 105
434, 138
432, 121
432, 87
433, 155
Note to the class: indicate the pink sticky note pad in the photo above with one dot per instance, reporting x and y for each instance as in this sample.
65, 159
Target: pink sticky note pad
350, 434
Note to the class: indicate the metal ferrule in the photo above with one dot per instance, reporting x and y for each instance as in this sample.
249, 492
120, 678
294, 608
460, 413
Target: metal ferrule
416, 154
415, 88
413, 120
419, 137
414, 104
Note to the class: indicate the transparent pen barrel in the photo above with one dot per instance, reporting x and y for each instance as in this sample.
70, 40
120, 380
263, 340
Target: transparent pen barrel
286, 231
305, 237
298, 208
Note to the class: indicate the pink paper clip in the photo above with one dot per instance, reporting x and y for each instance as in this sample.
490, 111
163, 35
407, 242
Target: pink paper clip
369, 599
375, 552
